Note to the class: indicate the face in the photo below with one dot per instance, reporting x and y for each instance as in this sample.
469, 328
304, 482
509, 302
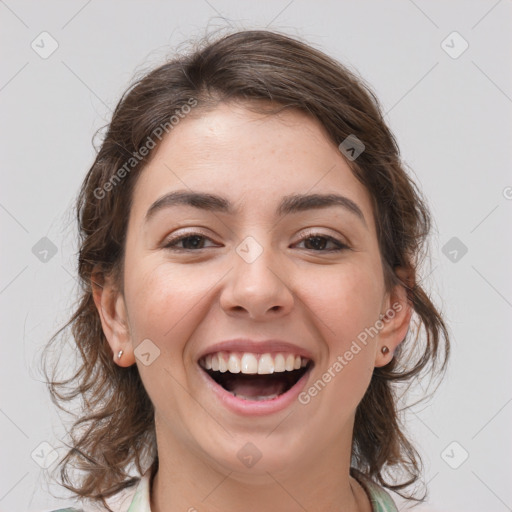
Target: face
252, 268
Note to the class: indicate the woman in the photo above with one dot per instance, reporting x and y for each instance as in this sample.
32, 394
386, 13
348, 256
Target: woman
249, 252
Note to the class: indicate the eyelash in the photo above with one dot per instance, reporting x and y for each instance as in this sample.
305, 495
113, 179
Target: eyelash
340, 246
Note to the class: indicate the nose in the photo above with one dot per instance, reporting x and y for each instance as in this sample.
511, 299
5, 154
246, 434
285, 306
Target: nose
257, 289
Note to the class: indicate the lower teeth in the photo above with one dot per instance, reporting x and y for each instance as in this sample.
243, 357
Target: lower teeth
255, 398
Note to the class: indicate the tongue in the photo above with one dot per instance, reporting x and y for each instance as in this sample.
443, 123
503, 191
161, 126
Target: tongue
255, 385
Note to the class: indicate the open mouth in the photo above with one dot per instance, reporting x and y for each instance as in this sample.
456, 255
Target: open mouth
249, 379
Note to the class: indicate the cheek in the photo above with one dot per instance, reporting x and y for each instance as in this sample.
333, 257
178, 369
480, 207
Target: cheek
347, 300
164, 306
346, 304
163, 303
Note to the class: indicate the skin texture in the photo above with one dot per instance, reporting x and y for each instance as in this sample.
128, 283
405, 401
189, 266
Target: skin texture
184, 302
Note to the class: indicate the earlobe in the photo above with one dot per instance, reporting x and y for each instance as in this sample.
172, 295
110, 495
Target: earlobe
111, 309
395, 324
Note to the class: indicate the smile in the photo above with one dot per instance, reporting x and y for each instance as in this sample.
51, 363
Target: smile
256, 379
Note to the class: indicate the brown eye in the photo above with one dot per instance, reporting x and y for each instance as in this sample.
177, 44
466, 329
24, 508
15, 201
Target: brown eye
322, 243
189, 242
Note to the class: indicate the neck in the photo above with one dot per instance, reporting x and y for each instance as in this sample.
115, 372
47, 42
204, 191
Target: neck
188, 481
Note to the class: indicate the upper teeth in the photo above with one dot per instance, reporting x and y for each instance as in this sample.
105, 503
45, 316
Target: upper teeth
249, 363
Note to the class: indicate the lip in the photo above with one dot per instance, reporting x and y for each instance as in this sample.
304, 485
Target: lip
257, 347
250, 407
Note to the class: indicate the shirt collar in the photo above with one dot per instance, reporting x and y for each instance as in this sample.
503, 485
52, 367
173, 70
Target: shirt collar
141, 497
379, 498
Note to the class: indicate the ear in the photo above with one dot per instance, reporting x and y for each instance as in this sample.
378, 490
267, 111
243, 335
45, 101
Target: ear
111, 308
395, 318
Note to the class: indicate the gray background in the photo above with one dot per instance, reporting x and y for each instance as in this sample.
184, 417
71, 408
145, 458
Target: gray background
451, 117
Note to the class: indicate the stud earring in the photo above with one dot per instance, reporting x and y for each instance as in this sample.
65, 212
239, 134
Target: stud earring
120, 353
384, 350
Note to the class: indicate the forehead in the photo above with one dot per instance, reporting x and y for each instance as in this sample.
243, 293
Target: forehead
250, 158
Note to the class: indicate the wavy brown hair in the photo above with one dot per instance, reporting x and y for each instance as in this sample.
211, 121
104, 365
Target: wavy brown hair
265, 71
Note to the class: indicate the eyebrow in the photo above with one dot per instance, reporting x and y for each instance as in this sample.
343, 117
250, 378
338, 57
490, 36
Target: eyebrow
294, 203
